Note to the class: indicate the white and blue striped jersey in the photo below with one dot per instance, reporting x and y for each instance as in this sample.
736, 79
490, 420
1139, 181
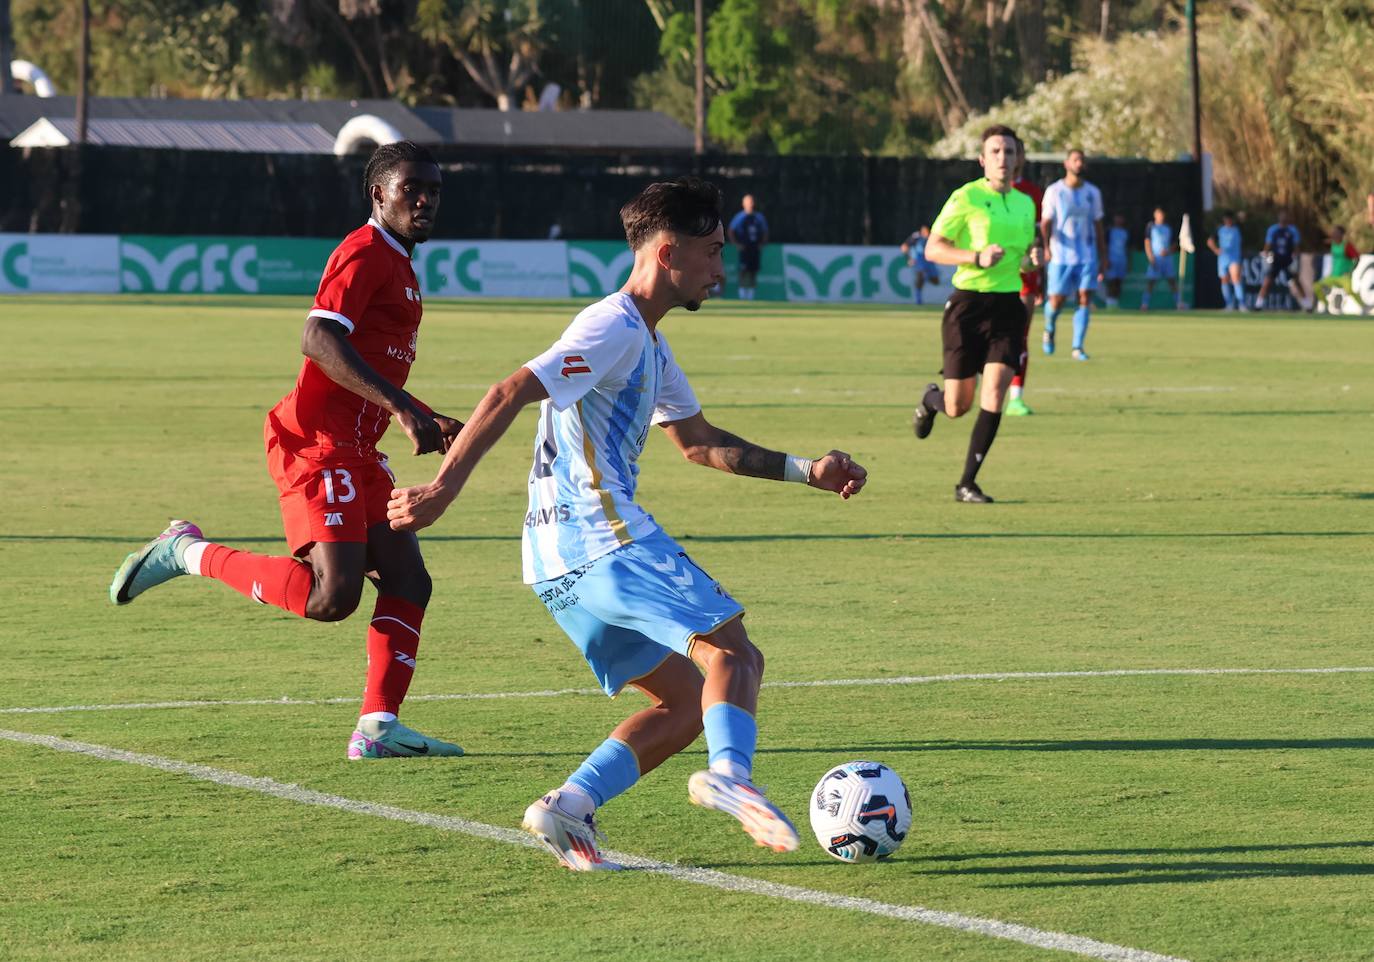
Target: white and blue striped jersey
1075, 212
609, 379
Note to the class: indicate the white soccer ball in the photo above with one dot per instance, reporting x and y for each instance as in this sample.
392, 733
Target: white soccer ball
860, 811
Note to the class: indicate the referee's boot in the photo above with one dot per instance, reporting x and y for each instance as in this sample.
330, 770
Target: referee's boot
923, 420
970, 494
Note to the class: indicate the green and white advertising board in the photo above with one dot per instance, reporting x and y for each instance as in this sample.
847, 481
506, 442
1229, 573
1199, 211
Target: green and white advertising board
581, 270
861, 275
61, 263
537, 269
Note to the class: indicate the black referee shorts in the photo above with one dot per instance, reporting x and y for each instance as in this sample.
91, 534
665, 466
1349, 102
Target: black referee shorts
980, 329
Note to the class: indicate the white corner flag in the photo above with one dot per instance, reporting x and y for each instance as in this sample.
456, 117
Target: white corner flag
1185, 236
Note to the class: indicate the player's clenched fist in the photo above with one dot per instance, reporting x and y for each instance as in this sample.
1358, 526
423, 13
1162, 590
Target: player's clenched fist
411, 509
839, 473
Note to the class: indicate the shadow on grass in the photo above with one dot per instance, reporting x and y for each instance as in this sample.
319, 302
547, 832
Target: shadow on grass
1151, 869
1125, 866
1093, 745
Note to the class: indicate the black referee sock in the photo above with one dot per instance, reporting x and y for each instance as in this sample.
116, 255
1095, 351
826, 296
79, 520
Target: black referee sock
934, 399
984, 430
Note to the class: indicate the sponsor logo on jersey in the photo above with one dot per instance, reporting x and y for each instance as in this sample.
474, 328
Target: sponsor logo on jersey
558, 514
333, 519
575, 364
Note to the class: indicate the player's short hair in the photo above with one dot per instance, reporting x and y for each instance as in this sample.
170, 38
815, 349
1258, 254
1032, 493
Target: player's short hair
998, 130
1075, 150
688, 205
386, 158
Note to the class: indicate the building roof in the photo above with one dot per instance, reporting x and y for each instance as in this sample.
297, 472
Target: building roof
18, 113
572, 130
566, 130
233, 135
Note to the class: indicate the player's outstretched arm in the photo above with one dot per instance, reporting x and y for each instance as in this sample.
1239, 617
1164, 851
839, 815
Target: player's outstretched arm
325, 341
701, 442
419, 507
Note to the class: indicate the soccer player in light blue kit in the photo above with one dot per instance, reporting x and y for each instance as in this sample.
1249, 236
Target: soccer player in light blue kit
1118, 259
1226, 245
1071, 222
641, 611
1160, 249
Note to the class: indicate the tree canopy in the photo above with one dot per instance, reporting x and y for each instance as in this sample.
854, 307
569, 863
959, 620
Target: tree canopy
1288, 108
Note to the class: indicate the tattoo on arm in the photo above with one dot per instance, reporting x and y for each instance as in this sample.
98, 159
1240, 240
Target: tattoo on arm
734, 454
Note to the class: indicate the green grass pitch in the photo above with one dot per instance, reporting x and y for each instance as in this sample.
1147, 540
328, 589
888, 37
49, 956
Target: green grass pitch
1199, 496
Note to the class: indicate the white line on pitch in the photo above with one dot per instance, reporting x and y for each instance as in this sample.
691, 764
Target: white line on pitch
991, 928
823, 683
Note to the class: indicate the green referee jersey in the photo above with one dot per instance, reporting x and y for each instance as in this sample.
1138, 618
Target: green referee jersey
976, 216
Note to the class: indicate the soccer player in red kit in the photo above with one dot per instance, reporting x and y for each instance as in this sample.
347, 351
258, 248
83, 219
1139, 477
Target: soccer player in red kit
359, 343
1032, 290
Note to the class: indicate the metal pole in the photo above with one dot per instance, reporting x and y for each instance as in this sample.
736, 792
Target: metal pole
6, 49
1193, 71
83, 72
700, 132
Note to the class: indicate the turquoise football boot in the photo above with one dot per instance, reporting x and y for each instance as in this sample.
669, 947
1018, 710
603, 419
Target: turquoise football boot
161, 559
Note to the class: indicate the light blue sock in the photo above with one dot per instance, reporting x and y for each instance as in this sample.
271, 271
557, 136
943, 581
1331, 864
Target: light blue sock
1081, 317
1240, 293
1228, 295
1051, 315
731, 734
607, 772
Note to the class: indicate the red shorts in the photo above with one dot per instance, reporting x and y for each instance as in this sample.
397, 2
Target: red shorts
1030, 283
323, 501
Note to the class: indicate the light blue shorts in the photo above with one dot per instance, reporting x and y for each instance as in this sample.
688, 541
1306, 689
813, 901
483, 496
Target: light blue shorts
1066, 279
1116, 269
1162, 269
1224, 267
627, 611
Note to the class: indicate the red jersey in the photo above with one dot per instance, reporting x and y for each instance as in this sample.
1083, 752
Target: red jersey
1035, 192
370, 288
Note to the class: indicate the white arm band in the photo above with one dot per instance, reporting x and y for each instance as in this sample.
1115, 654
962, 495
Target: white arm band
796, 469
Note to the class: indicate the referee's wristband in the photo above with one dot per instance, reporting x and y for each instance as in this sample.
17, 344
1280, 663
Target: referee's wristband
978, 259
796, 469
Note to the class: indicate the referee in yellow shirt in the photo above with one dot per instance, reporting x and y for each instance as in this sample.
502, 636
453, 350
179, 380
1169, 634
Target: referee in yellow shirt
986, 229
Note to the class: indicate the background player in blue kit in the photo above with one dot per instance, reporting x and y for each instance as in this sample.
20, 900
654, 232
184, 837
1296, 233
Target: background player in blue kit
749, 233
641, 611
914, 247
1118, 259
1160, 248
1071, 222
1281, 247
1226, 245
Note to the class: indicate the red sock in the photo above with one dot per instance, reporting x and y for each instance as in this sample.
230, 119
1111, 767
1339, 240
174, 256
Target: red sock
284, 582
393, 638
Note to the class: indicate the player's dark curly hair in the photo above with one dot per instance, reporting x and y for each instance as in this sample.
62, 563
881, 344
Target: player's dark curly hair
386, 158
688, 205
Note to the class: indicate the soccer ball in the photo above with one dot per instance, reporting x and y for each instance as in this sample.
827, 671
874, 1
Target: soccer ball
860, 811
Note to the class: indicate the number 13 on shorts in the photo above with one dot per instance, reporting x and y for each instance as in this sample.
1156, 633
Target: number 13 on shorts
338, 486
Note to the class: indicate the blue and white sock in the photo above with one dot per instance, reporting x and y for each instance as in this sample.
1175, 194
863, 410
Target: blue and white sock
731, 735
607, 772
1240, 293
1081, 317
1229, 296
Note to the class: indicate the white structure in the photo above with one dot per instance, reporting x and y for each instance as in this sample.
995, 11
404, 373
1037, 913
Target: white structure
363, 131
33, 75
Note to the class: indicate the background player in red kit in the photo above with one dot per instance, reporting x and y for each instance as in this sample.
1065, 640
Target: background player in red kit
359, 343
1032, 290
